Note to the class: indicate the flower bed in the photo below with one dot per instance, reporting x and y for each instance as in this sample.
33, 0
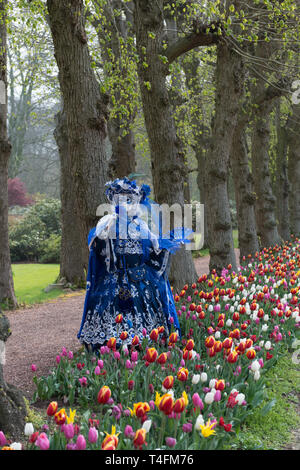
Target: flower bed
188, 392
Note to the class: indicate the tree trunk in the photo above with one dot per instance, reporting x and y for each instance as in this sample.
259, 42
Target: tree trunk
266, 201
12, 405
7, 294
72, 259
84, 106
110, 35
167, 158
201, 133
244, 194
229, 88
282, 181
294, 169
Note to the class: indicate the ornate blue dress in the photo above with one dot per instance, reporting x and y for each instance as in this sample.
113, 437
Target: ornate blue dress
129, 277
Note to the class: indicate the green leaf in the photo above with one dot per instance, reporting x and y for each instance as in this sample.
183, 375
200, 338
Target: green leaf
265, 410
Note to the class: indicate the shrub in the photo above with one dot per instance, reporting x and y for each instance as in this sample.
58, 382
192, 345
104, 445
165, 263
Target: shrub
34, 235
51, 249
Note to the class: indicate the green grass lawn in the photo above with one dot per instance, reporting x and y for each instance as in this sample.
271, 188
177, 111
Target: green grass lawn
30, 281
205, 252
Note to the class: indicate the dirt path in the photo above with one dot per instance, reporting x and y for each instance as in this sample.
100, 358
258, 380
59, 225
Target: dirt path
39, 333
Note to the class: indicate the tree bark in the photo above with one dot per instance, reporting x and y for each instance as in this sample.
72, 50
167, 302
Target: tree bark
244, 194
229, 89
72, 260
282, 182
12, 405
167, 158
85, 108
294, 169
7, 294
201, 132
263, 99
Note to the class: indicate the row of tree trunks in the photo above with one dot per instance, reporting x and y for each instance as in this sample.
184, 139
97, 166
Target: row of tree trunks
85, 109
167, 158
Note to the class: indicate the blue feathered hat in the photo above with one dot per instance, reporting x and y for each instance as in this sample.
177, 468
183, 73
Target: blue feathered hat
126, 186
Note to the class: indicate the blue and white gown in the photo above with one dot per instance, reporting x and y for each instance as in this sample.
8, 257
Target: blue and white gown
129, 277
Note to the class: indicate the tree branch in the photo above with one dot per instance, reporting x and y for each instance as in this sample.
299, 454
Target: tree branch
205, 35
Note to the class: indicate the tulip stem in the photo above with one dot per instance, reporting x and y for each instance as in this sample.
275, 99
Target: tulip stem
162, 430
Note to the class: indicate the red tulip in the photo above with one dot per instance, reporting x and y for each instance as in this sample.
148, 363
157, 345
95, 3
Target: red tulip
104, 395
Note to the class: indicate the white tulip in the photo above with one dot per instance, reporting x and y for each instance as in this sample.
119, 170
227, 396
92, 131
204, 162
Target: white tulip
255, 366
147, 425
240, 398
217, 334
199, 422
261, 344
195, 379
203, 377
209, 398
29, 429
231, 309
266, 318
212, 383
268, 345
264, 327
210, 308
229, 322
256, 375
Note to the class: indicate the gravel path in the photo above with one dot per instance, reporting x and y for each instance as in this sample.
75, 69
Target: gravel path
39, 333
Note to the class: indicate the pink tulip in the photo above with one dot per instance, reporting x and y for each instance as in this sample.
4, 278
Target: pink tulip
70, 355
198, 403
57, 359
117, 355
170, 441
128, 364
100, 363
93, 435
134, 356
97, 370
69, 431
128, 431
144, 332
187, 427
217, 396
42, 441
64, 352
80, 443
33, 367
3, 439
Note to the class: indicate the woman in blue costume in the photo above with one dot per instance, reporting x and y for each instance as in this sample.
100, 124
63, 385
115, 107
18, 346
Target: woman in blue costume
127, 274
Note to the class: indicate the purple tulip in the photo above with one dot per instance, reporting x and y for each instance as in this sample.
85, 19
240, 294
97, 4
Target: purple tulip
198, 403
217, 396
187, 427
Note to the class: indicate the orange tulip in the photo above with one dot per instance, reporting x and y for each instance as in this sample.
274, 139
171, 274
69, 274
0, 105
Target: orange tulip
166, 404
251, 353
111, 343
123, 335
210, 341
154, 334
60, 417
162, 358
